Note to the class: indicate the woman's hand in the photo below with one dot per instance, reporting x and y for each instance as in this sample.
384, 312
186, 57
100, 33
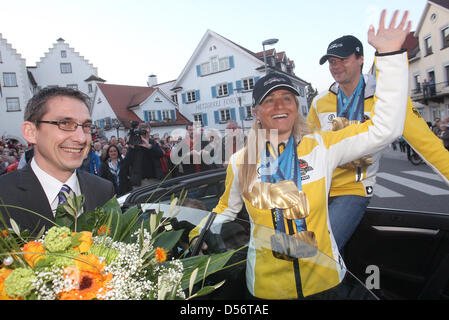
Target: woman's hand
389, 39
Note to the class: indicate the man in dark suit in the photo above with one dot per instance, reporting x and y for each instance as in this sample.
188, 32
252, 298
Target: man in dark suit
58, 125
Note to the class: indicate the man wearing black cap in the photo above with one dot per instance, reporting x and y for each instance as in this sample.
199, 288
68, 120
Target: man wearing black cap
352, 97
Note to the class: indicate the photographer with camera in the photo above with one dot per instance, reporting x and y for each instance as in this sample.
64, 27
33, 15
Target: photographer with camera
142, 161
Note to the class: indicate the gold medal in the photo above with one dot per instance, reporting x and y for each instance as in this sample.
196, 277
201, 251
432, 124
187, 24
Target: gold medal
341, 123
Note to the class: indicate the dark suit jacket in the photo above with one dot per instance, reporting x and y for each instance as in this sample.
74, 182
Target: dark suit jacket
22, 188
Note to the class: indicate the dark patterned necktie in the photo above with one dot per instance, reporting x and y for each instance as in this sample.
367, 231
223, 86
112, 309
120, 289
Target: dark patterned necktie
61, 196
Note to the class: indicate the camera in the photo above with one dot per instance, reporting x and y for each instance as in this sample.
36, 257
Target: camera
135, 134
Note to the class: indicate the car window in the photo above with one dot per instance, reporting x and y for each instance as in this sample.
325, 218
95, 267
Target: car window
281, 250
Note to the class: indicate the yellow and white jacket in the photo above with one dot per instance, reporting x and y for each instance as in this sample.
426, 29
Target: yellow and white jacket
320, 153
416, 132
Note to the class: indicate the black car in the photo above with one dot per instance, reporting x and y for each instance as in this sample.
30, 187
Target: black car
393, 254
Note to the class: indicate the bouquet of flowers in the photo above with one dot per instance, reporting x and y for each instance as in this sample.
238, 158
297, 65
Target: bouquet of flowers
115, 256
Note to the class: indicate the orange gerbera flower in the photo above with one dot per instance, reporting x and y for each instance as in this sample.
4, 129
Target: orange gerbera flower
90, 263
86, 241
4, 233
4, 273
87, 284
161, 255
104, 230
36, 248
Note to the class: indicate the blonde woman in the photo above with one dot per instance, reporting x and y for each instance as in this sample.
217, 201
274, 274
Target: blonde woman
284, 173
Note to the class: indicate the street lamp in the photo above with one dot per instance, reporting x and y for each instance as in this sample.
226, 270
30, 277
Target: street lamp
116, 123
239, 99
266, 43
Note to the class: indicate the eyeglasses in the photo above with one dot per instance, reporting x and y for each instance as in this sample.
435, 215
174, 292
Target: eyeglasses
68, 125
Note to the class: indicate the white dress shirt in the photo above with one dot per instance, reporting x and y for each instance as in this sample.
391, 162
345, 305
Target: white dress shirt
52, 186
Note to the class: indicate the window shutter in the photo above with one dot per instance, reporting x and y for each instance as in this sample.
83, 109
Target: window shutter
204, 118
242, 113
197, 95
230, 88
256, 79
217, 117
231, 62
146, 116
184, 99
159, 115
172, 115
198, 70
233, 114
238, 85
214, 91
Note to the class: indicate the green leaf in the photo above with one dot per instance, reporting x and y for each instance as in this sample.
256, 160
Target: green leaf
87, 221
217, 263
75, 240
167, 240
192, 280
15, 227
207, 289
41, 233
63, 219
153, 223
112, 206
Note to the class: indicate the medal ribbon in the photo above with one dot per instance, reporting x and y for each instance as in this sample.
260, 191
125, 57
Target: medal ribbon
352, 108
284, 167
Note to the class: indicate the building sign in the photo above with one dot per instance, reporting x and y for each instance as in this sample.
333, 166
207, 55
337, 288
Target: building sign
220, 103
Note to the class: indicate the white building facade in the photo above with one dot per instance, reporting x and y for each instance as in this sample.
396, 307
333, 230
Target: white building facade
216, 84
115, 106
431, 62
15, 91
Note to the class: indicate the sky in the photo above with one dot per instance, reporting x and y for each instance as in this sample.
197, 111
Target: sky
129, 40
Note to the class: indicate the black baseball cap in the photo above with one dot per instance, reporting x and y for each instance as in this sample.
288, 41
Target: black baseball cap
267, 84
342, 48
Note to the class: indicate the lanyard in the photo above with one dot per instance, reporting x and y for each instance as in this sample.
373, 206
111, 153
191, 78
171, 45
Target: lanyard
352, 108
283, 167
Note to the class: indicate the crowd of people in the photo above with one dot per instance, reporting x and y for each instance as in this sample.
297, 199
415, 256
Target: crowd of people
116, 160
10, 154
440, 128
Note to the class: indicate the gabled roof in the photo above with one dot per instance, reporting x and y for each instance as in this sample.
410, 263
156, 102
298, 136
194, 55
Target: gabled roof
120, 97
94, 78
9, 47
62, 41
443, 4
207, 35
123, 98
268, 53
412, 45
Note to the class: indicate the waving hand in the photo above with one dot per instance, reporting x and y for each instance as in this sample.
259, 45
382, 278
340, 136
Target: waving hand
389, 39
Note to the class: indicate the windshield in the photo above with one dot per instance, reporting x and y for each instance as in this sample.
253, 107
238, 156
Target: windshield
265, 264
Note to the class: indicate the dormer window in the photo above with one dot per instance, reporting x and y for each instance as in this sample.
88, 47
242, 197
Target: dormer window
215, 64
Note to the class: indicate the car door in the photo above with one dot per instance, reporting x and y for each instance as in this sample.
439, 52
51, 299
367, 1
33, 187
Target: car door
410, 250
